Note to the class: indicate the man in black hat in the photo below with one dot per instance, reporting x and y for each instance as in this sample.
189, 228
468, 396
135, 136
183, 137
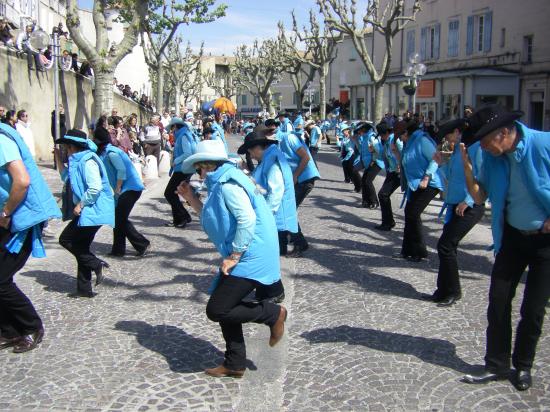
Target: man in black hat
515, 177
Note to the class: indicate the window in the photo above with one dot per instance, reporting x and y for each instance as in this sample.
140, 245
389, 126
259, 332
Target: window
479, 31
256, 101
528, 49
429, 42
502, 37
453, 39
244, 100
411, 37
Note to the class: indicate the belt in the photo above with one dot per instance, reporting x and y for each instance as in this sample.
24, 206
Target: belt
530, 232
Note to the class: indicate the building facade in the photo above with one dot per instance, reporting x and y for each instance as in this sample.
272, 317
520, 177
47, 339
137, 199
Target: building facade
476, 51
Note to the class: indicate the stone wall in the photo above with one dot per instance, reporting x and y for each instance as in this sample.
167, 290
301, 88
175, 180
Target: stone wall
33, 91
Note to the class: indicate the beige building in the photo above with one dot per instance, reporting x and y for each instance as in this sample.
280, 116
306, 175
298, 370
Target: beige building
476, 51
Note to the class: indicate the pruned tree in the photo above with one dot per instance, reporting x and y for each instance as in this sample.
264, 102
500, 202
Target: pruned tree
301, 74
184, 69
258, 67
164, 20
386, 19
223, 83
103, 56
319, 50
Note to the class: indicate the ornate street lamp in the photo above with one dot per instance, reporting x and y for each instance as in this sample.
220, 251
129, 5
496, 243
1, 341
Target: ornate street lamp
414, 70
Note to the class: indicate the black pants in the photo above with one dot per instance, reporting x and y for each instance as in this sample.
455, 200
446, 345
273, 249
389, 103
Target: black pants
33, 56
274, 290
301, 190
77, 240
448, 280
152, 149
179, 213
518, 252
413, 239
351, 174
226, 307
314, 150
390, 185
124, 229
367, 184
17, 314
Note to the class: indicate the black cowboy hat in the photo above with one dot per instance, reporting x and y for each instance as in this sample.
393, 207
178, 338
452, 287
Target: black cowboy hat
74, 137
361, 126
252, 139
383, 128
490, 118
450, 126
272, 122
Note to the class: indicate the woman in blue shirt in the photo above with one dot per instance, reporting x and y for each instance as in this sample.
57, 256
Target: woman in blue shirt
462, 213
348, 154
127, 185
236, 218
94, 207
423, 184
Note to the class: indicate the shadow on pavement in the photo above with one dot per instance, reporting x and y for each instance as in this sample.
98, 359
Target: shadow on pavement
184, 353
430, 350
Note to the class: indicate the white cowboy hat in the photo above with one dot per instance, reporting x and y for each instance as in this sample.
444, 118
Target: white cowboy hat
207, 150
309, 123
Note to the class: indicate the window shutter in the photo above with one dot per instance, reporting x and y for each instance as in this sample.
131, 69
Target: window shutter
410, 43
470, 36
423, 40
488, 31
437, 31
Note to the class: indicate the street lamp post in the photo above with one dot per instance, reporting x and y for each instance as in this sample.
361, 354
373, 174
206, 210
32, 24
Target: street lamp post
310, 92
414, 70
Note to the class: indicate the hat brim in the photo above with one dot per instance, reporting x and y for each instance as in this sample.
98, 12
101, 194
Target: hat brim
63, 140
494, 125
188, 164
247, 145
450, 126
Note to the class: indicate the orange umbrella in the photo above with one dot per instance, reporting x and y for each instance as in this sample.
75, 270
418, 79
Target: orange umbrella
224, 105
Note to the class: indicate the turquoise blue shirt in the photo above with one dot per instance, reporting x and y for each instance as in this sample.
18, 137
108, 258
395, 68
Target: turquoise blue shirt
315, 137
522, 209
275, 189
118, 164
9, 152
238, 204
390, 160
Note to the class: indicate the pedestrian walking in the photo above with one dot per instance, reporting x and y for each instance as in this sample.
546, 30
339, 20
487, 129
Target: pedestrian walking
26, 204
368, 149
391, 150
151, 137
238, 221
423, 184
514, 176
462, 212
185, 145
127, 187
304, 175
94, 207
349, 152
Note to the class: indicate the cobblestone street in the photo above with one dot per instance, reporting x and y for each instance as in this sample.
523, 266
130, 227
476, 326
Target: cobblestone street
358, 335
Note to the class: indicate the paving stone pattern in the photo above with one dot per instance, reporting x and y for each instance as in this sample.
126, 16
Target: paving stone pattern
359, 336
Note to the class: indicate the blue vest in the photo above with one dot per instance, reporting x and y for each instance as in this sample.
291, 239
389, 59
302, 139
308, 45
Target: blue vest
533, 153
390, 161
378, 154
184, 146
284, 125
260, 262
102, 212
365, 140
133, 181
415, 163
39, 205
310, 171
286, 216
457, 191
297, 122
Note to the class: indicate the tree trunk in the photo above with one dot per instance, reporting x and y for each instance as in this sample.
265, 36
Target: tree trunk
160, 87
322, 95
177, 97
103, 93
378, 100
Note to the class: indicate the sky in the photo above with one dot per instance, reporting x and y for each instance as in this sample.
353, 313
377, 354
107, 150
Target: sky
245, 21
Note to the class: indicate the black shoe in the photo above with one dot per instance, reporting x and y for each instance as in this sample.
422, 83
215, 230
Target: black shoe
522, 379
357, 189
82, 294
435, 297
298, 251
449, 301
99, 272
141, 253
6, 343
484, 377
366, 205
347, 180
374, 206
415, 259
385, 228
29, 342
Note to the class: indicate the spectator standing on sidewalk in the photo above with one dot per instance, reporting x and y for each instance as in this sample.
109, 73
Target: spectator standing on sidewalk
151, 137
23, 126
